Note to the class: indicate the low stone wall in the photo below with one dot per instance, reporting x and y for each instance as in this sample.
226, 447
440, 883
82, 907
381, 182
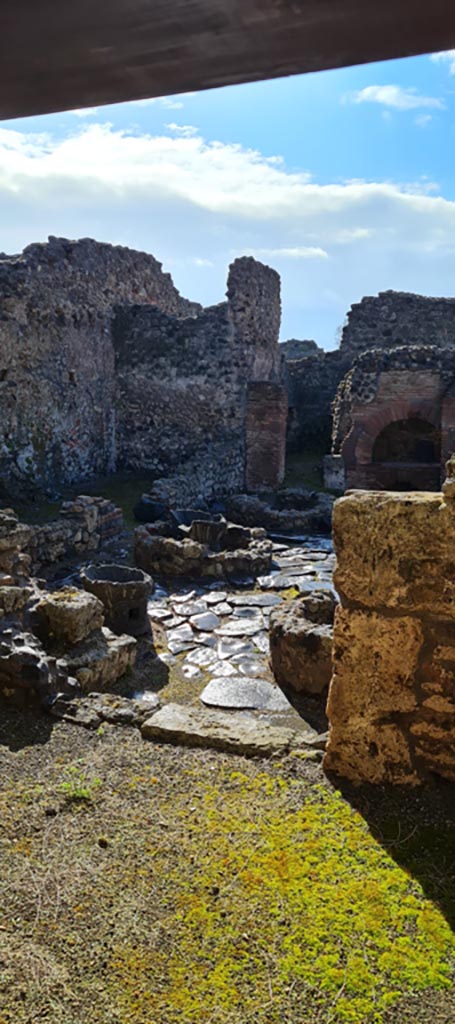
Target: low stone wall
392, 696
213, 472
83, 525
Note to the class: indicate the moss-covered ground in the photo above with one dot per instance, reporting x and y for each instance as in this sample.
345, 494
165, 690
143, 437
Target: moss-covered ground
142, 884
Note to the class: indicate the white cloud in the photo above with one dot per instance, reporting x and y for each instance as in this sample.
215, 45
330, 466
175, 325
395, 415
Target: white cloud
298, 252
396, 97
84, 111
169, 102
446, 57
186, 130
197, 203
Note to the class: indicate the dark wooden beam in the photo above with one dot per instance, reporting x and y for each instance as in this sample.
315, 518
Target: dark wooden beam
60, 54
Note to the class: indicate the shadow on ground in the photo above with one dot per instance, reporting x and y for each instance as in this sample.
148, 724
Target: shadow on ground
417, 828
20, 729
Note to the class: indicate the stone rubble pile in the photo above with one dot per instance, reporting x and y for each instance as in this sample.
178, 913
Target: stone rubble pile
54, 643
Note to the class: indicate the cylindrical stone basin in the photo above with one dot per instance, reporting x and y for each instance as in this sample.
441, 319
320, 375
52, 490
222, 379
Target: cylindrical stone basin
124, 592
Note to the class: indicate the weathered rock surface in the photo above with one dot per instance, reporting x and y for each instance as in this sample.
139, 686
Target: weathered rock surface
197, 727
400, 551
28, 677
391, 703
101, 659
92, 710
301, 636
69, 615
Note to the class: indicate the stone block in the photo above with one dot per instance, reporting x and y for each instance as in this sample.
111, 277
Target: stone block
301, 643
68, 615
197, 727
372, 694
396, 551
362, 750
375, 664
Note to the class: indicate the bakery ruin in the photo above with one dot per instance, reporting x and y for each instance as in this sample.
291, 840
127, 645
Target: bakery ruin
225, 580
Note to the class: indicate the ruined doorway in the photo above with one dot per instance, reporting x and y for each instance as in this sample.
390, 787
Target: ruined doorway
407, 455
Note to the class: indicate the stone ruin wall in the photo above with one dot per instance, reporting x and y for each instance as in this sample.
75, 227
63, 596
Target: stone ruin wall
105, 366
391, 702
386, 386
394, 319
183, 383
312, 383
57, 384
398, 360
82, 527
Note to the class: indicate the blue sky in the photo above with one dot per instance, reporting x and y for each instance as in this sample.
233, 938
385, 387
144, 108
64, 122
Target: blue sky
344, 181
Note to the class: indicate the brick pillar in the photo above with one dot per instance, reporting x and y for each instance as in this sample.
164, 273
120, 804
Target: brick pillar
265, 429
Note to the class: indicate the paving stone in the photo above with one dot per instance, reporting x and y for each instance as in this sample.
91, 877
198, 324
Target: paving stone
187, 596
174, 621
256, 600
178, 646
246, 613
223, 668
244, 692
191, 671
207, 621
241, 627
249, 666
202, 656
262, 642
207, 639
158, 613
235, 733
182, 634
167, 657
265, 582
189, 608
227, 647
223, 608
216, 596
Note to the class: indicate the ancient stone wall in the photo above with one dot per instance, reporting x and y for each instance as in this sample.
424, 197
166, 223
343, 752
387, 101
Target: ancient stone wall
312, 383
254, 302
104, 365
57, 385
393, 319
409, 384
392, 696
183, 385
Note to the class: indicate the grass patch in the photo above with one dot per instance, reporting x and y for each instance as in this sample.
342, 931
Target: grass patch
198, 888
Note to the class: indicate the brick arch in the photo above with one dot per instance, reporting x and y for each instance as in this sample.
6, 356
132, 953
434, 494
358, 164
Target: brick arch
360, 443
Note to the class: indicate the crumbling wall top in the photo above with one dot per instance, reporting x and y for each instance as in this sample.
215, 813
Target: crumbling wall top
64, 273
393, 319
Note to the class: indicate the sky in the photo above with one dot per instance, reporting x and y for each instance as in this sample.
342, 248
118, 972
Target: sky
344, 181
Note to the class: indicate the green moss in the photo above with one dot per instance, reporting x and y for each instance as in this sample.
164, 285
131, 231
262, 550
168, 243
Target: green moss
303, 905
197, 888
